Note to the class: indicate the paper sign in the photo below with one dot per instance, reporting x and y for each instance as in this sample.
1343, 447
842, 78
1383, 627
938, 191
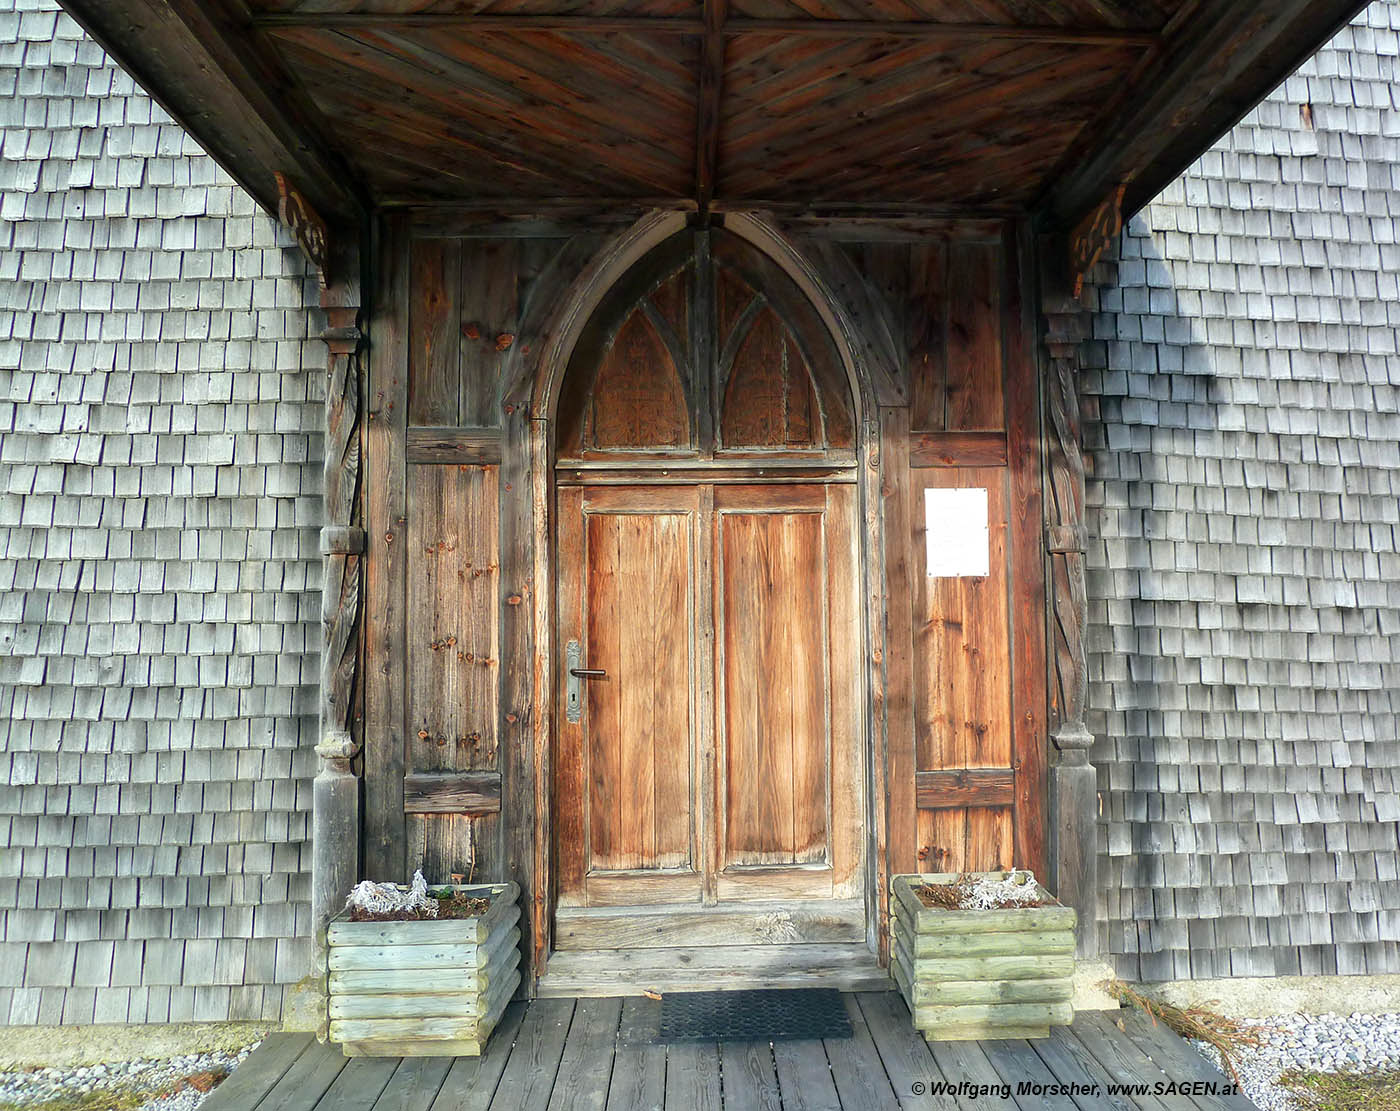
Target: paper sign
959, 545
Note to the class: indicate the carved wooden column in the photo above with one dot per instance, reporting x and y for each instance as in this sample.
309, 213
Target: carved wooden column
335, 815
1074, 802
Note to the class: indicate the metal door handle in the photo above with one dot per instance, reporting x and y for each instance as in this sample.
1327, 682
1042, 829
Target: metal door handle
588, 672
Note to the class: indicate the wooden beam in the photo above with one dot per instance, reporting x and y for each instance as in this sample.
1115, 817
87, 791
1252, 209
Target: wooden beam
1216, 62
953, 790
679, 25
227, 90
454, 445
708, 103
452, 793
958, 449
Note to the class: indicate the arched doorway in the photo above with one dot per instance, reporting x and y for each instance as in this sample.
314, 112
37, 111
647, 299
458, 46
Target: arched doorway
709, 760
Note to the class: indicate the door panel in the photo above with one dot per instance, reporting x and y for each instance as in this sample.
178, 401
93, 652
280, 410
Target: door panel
640, 728
626, 769
769, 579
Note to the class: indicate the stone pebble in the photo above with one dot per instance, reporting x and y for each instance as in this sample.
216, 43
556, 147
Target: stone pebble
1367, 1044
147, 1075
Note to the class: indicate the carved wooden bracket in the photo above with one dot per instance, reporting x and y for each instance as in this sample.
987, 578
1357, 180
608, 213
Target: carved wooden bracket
1094, 234
1065, 322
307, 228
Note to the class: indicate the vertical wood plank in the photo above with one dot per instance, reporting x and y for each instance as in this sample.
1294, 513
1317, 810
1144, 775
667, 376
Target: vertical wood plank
899, 638
927, 336
453, 652
843, 651
386, 516
570, 785
872, 504
672, 744
521, 645
1026, 541
434, 270
488, 308
974, 391
603, 626
803, 567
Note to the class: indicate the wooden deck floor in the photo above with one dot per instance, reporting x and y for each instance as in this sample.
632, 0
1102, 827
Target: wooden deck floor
566, 1053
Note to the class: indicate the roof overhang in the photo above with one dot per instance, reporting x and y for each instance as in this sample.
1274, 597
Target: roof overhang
892, 107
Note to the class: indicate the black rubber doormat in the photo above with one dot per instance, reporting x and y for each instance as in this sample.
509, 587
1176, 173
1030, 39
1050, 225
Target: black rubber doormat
753, 1016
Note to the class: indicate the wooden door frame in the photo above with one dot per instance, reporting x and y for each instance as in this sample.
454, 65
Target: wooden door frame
562, 330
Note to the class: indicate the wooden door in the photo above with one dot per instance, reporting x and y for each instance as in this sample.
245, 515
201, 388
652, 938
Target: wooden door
786, 636
627, 820
717, 759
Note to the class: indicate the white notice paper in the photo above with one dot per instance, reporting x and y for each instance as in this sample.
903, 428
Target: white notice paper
958, 540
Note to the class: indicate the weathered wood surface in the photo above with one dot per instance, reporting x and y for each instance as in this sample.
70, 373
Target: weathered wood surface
849, 967
818, 921
452, 793
565, 1053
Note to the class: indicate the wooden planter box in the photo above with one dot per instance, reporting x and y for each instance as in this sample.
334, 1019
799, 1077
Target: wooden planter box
970, 974
424, 989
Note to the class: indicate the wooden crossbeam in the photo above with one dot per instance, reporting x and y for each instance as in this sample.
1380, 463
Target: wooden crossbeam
708, 103
677, 25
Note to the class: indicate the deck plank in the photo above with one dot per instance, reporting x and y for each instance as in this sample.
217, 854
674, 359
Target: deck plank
1071, 1063
903, 1051
471, 1082
692, 1077
959, 1061
529, 1075
804, 1077
1179, 1060
1116, 1052
303, 1085
415, 1084
1017, 1063
259, 1074
359, 1084
749, 1078
639, 1071
587, 1064
855, 1066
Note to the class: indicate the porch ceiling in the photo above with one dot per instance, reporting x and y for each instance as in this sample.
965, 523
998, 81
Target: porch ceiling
843, 105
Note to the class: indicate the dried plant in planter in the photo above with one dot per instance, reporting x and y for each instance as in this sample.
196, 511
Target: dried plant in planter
985, 892
390, 902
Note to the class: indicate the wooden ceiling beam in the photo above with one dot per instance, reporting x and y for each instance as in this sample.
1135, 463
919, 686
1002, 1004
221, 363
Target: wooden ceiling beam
708, 104
676, 25
245, 110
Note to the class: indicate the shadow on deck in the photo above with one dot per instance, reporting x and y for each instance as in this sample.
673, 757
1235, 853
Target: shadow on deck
566, 1053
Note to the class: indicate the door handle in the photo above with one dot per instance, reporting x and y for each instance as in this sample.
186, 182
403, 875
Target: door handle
573, 692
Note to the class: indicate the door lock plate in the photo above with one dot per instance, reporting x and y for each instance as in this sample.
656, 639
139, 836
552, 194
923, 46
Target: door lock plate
573, 692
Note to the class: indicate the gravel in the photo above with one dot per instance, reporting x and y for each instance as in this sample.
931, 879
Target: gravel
1316, 1043
149, 1075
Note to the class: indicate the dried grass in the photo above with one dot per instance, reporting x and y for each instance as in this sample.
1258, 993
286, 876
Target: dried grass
1200, 1024
1343, 1091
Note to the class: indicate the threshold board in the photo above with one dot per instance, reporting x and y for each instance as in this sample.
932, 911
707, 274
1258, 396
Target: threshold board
816, 921
613, 972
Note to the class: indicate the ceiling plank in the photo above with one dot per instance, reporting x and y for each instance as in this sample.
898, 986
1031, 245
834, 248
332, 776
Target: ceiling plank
1215, 67
680, 25
241, 106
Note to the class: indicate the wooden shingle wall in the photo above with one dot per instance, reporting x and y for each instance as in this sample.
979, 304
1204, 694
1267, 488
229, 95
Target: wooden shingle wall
159, 577
1243, 428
